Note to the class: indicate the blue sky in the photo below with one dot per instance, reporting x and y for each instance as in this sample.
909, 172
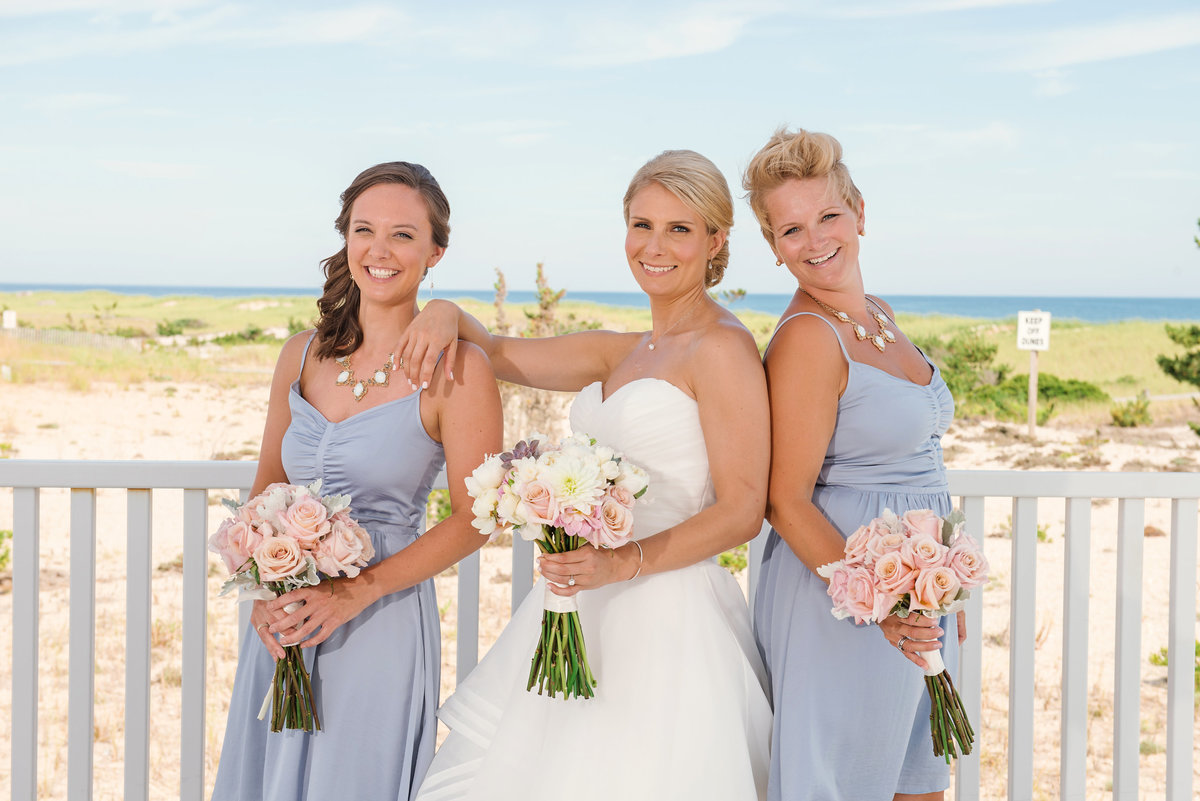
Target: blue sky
1003, 146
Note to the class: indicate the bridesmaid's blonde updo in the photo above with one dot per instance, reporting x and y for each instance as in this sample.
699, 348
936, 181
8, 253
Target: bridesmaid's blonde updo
796, 154
701, 187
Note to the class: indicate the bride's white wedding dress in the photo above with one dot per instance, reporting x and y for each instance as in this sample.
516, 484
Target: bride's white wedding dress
681, 710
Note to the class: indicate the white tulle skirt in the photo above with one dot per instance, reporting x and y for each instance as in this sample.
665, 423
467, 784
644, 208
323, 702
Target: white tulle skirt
680, 712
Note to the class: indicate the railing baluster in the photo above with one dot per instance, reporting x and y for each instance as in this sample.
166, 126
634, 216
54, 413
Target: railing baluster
1180, 644
522, 570
138, 574
466, 636
1021, 634
1073, 730
26, 578
195, 613
82, 648
1131, 514
970, 673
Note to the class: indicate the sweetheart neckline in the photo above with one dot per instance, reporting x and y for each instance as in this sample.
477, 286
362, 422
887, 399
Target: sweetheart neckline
294, 389
618, 390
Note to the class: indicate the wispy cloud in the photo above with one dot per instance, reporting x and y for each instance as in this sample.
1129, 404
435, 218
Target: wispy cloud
1086, 44
75, 102
918, 142
150, 169
907, 8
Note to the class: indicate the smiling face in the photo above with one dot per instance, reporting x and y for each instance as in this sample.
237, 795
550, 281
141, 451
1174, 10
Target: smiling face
667, 242
814, 232
389, 242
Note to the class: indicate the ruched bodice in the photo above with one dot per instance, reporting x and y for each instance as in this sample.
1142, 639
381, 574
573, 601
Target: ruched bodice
660, 432
382, 457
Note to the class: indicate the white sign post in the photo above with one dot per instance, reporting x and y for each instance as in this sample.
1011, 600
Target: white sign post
1033, 334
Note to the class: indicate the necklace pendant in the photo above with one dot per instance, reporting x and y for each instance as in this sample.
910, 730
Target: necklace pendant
887, 335
381, 378
360, 390
878, 342
343, 378
860, 332
650, 346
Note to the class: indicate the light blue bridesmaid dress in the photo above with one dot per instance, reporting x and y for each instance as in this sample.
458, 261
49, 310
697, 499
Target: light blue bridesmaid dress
376, 679
851, 712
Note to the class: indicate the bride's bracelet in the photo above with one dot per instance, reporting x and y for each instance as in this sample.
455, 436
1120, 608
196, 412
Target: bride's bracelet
641, 558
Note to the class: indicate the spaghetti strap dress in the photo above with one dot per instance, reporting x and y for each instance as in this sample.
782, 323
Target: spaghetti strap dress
376, 679
851, 712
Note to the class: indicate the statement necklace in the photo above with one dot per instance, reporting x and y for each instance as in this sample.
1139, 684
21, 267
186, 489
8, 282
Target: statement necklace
881, 340
380, 378
682, 317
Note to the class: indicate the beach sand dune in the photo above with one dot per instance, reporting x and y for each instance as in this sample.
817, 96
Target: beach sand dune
191, 421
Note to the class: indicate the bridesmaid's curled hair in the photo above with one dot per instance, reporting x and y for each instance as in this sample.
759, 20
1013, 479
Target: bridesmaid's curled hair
338, 331
698, 183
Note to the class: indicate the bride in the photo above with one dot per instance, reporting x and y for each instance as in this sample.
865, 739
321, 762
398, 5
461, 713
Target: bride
680, 710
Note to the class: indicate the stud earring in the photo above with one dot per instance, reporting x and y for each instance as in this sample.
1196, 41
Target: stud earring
779, 262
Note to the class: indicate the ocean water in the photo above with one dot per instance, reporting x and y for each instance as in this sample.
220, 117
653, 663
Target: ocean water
990, 307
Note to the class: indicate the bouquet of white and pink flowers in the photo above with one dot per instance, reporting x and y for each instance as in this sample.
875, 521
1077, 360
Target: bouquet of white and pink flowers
916, 563
286, 537
559, 497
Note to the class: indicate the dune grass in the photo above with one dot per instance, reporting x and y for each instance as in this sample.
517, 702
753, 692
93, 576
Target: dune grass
1119, 357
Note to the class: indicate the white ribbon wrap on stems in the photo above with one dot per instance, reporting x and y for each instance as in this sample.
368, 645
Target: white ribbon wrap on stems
933, 662
558, 603
266, 704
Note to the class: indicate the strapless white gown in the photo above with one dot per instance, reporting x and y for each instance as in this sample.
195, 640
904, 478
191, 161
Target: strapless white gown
681, 710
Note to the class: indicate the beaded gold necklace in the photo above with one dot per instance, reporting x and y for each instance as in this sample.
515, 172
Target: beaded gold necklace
881, 340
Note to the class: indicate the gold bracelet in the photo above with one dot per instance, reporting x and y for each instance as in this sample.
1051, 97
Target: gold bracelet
641, 558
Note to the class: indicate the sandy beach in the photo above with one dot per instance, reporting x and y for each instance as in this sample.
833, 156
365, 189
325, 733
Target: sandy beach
199, 421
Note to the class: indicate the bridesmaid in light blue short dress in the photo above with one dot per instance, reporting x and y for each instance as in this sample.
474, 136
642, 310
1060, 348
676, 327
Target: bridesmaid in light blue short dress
372, 643
857, 416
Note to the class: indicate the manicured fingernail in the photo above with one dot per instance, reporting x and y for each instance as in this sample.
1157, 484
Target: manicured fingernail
451, 375
424, 385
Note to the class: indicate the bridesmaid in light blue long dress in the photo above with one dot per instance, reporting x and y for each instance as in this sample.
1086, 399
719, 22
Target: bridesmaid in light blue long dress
857, 416
371, 643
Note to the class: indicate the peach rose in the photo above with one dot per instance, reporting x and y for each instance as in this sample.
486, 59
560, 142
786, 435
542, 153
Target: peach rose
893, 575
621, 495
538, 504
856, 546
923, 551
838, 575
922, 521
616, 524
342, 551
860, 594
279, 558
234, 541
935, 588
967, 561
883, 541
306, 521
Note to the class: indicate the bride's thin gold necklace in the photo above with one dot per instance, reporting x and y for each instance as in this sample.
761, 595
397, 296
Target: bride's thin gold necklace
881, 340
379, 378
682, 317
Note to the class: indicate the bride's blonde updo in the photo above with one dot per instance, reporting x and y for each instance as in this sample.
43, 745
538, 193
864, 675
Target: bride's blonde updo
701, 187
796, 154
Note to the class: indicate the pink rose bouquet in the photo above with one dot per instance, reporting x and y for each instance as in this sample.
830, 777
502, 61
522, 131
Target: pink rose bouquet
286, 537
915, 563
559, 497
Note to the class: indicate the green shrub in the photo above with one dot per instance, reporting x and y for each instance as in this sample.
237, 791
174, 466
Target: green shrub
736, 559
1132, 414
5, 549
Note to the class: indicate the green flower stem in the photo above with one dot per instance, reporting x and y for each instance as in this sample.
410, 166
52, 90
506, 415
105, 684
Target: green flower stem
559, 663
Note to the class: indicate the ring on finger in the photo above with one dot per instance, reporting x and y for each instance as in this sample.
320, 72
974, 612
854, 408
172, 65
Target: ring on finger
261, 626
571, 581
900, 642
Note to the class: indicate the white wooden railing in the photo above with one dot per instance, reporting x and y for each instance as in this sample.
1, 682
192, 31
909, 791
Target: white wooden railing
140, 479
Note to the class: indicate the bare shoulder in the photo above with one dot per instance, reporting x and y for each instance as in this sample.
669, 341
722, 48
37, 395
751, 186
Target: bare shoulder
726, 338
472, 364
292, 351
883, 304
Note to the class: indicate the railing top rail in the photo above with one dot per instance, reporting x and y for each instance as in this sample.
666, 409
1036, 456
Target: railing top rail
1073, 484
205, 474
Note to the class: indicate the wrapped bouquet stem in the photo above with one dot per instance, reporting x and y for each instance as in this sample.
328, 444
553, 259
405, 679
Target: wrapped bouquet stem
915, 563
561, 497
